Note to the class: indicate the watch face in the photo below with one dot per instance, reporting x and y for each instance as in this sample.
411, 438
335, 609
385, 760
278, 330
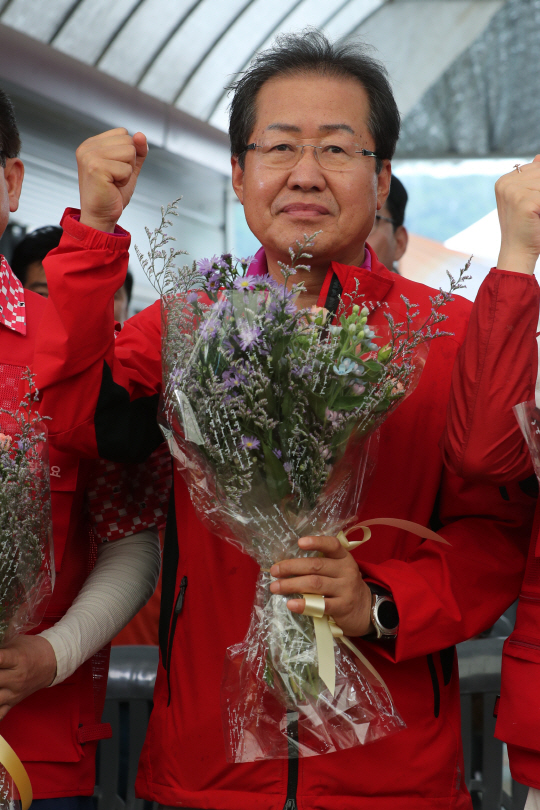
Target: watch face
387, 615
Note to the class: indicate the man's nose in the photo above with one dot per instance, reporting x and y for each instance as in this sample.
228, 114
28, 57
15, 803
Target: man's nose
307, 174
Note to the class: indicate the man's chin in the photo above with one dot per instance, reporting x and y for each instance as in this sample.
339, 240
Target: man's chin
320, 250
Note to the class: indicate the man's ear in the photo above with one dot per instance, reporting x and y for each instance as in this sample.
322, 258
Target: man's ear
383, 183
402, 238
237, 178
13, 176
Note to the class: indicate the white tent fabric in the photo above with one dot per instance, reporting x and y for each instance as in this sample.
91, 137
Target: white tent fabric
184, 52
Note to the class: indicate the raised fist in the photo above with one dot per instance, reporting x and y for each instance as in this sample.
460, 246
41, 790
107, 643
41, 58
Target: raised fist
109, 165
518, 204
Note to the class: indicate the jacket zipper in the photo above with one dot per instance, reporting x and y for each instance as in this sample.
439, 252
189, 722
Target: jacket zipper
292, 772
178, 607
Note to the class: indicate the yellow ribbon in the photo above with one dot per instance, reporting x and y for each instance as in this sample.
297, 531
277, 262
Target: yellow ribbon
325, 627
13, 765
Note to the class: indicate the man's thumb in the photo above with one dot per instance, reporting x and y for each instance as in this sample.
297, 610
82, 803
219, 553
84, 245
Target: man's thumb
141, 147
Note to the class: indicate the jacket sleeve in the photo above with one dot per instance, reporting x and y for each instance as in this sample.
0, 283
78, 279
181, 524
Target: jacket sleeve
496, 369
101, 393
446, 594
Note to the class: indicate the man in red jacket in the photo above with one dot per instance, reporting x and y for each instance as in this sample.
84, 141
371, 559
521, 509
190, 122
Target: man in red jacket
305, 98
99, 586
498, 368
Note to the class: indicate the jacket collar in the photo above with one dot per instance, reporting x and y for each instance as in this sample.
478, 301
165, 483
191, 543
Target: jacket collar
12, 304
373, 284
374, 280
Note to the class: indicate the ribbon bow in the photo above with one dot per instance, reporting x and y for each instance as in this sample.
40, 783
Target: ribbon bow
325, 627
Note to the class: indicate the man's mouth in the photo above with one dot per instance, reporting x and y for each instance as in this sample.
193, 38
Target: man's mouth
305, 210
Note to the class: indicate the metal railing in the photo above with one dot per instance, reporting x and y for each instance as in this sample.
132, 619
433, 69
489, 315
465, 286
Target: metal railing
132, 674
479, 685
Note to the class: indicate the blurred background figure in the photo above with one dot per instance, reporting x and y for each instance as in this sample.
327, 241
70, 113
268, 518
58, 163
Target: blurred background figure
122, 298
389, 236
28, 255
27, 264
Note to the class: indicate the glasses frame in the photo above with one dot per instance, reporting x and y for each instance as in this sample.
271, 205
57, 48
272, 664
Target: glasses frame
379, 217
252, 147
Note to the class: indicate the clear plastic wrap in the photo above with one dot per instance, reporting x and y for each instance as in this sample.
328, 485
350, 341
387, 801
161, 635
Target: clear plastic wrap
528, 416
26, 553
271, 415
9, 795
26, 550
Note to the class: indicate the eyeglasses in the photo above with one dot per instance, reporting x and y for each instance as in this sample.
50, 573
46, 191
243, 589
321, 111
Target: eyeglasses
286, 154
380, 218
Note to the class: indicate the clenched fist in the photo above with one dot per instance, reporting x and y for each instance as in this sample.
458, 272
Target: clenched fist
109, 165
518, 204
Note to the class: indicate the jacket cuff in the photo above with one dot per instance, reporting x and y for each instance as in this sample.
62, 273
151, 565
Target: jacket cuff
89, 238
515, 273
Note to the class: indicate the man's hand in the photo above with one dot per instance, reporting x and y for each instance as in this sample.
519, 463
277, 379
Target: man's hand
109, 165
334, 576
518, 204
27, 663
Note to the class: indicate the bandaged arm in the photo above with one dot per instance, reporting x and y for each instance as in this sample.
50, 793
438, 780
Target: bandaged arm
123, 579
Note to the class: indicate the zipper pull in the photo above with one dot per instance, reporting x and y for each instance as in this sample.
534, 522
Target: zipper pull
180, 601
290, 804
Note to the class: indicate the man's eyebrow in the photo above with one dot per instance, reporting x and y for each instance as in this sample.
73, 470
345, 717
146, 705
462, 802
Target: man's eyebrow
284, 127
323, 127
336, 127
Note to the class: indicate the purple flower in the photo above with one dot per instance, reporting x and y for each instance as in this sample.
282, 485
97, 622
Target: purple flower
276, 452
289, 308
265, 282
245, 283
219, 308
206, 266
250, 442
287, 467
232, 378
248, 335
209, 329
213, 282
192, 297
176, 376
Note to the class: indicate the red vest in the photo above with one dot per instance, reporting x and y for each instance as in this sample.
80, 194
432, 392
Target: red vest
54, 731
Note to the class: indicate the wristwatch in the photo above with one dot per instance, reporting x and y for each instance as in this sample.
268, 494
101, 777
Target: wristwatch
384, 614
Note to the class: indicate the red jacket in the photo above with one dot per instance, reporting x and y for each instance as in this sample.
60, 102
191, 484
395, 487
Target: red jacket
496, 369
104, 398
54, 731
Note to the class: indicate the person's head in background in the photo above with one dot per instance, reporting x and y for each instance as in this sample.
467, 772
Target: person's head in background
122, 297
389, 237
27, 258
11, 166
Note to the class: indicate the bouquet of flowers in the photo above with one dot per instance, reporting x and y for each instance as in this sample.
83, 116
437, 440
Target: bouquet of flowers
270, 411
26, 551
